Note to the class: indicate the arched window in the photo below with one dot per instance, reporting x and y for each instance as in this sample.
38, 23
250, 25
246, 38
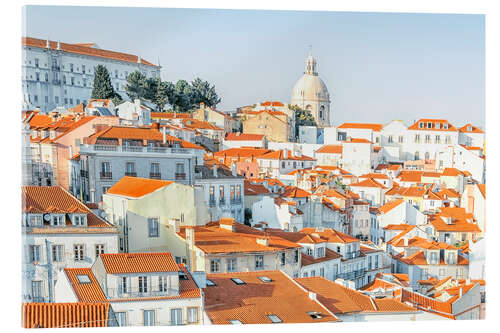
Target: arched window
417, 155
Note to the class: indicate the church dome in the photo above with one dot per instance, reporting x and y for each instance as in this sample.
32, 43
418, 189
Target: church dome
310, 86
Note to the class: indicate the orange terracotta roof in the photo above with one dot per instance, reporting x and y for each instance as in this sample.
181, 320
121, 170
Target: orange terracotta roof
169, 115
330, 235
280, 155
85, 292
433, 122
473, 129
242, 152
390, 206
426, 303
296, 237
253, 301
373, 127
310, 260
414, 191
446, 193
460, 220
83, 49
270, 103
330, 149
334, 193
120, 263
243, 137
295, 192
212, 238
452, 172
65, 315
136, 187
374, 176
471, 148
356, 140
368, 183
199, 124
342, 300
410, 176
482, 189
52, 199
255, 189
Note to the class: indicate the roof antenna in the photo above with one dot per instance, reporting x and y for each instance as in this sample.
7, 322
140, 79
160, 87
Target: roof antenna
47, 45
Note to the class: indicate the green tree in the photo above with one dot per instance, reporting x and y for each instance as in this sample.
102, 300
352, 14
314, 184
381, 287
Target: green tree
161, 96
183, 96
103, 89
302, 118
136, 85
202, 91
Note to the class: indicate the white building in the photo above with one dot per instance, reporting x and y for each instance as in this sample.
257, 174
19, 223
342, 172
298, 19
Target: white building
134, 113
239, 140
472, 136
144, 289
277, 213
61, 74
58, 232
310, 93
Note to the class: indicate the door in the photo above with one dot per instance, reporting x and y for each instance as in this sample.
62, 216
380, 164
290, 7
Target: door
149, 318
121, 318
36, 291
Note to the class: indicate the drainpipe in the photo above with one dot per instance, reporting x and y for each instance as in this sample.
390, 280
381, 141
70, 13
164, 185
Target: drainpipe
49, 271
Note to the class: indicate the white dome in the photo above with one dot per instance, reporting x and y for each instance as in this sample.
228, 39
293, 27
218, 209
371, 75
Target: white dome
310, 87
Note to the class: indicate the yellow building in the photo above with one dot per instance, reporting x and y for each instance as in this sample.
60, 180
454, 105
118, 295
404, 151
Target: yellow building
275, 125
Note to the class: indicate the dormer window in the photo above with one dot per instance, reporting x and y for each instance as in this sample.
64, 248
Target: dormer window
469, 128
451, 258
429, 125
34, 220
79, 220
438, 125
309, 252
315, 315
57, 219
34, 134
52, 134
445, 126
421, 125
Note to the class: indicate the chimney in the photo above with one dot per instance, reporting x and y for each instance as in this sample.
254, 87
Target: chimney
312, 295
200, 278
227, 223
155, 126
405, 240
59, 46
233, 170
70, 151
47, 45
285, 153
460, 292
263, 241
163, 131
176, 224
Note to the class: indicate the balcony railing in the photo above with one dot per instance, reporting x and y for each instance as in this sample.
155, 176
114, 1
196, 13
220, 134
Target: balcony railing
211, 202
235, 201
352, 254
180, 176
222, 202
352, 275
134, 149
106, 175
131, 174
84, 173
155, 175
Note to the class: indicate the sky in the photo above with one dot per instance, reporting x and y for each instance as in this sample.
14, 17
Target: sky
377, 66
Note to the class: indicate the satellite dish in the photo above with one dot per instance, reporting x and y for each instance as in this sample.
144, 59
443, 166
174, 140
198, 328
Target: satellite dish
46, 217
103, 214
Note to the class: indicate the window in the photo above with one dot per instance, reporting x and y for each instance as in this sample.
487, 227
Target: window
309, 252
143, 284
265, 279
34, 253
390, 139
296, 256
116, 73
231, 264
427, 139
35, 221
99, 249
235, 322
238, 192
36, 98
320, 252
434, 259
192, 313
315, 315
313, 273
176, 316
283, 258
238, 281
153, 230
79, 220
130, 168
437, 139
36, 62
57, 253
78, 251
46, 77
417, 156
376, 262
36, 291
56, 99
46, 99
259, 262
83, 69
274, 318
447, 139
400, 139
283, 164
71, 101
214, 265
162, 283
221, 193
83, 278
210, 283
121, 318
322, 272
72, 81
231, 192
460, 273
124, 284
71, 68
212, 195
149, 318
417, 138
304, 274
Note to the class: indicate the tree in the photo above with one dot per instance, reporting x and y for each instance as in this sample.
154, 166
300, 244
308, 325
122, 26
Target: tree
183, 96
103, 89
203, 92
136, 85
162, 92
302, 118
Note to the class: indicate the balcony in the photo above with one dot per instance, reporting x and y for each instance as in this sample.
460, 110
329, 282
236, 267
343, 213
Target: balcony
211, 202
222, 202
131, 174
84, 173
180, 176
236, 201
106, 175
155, 175
56, 82
113, 293
133, 149
352, 254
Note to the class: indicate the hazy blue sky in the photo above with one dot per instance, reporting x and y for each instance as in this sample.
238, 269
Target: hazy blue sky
377, 67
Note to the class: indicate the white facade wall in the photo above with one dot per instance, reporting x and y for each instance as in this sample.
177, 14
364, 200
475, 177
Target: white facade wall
308, 134
227, 208
471, 139
375, 195
411, 146
227, 144
39, 272
356, 158
54, 92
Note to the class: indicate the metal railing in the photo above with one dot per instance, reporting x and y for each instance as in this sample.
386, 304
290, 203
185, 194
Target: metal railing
180, 176
235, 201
106, 175
155, 175
134, 149
136, 293
211, 202
352, 254
131, 174
222, 202
84, 173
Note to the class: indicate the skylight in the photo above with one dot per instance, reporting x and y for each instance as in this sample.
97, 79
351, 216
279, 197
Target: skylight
274, 318
238, 281
83, 278
235, 322
265, 279
210, 283
183, 276
315, 315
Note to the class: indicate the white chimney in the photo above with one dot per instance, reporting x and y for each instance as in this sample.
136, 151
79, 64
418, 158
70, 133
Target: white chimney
70, 151
263, 241
285, 153
164, 135
405, 240
460, 292
176, 224
233, 169
312, 295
